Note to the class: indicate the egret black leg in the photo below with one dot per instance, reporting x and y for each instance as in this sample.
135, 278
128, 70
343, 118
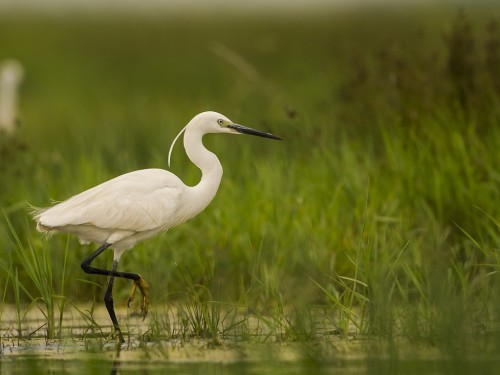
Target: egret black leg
108, 297
108, 301
86, 267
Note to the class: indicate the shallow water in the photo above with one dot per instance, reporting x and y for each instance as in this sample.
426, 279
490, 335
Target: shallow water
40, 362
81, 353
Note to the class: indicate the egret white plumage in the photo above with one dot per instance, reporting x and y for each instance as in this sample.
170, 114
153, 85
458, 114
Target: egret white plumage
137, 205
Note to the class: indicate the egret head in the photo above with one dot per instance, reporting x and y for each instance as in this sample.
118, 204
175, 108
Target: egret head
213, 122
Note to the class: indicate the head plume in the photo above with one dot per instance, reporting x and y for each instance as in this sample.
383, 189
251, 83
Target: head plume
173, 143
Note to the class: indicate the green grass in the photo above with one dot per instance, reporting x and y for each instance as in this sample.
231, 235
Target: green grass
377, 215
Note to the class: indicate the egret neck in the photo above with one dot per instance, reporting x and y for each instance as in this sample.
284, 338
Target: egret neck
208, 163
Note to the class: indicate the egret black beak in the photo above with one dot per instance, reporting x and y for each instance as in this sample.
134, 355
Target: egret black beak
245, 130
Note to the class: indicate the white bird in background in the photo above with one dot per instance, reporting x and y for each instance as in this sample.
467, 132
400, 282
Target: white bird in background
11, 76
137, 205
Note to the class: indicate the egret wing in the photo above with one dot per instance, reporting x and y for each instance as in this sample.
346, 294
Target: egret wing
137, 201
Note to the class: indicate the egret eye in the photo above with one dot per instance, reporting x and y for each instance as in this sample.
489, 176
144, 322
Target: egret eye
220, 122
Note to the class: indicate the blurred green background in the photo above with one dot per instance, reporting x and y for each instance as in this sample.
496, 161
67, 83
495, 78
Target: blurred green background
381, 205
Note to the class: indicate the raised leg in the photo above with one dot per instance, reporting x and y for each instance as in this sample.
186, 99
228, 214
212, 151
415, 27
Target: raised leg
139, 282
100, 271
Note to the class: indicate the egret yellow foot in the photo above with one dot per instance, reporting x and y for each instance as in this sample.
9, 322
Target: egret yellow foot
144, 289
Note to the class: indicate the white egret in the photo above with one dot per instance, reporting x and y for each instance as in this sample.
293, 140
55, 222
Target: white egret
137, 205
